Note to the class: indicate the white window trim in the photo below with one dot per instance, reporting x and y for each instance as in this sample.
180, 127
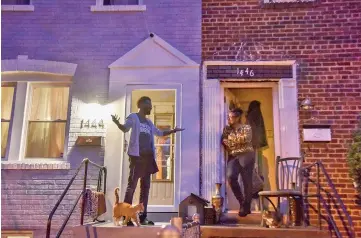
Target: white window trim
18, 8
20, 69
12, 233
10, 121
99, 7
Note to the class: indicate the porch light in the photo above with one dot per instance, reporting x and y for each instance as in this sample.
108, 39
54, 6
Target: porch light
92, 115
306, 104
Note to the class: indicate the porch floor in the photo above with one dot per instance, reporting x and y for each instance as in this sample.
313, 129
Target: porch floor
108, 230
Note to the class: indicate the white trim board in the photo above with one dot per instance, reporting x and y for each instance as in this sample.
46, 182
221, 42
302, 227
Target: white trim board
153, 52
281, 62
24, 65
288, 134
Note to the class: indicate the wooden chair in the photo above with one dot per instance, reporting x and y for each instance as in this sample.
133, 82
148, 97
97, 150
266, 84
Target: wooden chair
288, 182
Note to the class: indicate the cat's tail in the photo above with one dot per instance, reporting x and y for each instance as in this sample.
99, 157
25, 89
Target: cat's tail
116, 190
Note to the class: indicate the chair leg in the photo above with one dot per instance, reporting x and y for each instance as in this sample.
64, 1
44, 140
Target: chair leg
261, 205
303, 212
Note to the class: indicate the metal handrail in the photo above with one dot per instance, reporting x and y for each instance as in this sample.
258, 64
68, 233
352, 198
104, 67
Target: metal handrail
320, 167
84, 163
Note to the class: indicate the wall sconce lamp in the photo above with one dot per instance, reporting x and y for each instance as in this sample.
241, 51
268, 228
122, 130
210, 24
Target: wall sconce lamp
306, 104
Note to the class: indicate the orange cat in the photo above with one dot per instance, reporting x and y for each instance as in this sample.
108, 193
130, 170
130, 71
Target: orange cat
121, 209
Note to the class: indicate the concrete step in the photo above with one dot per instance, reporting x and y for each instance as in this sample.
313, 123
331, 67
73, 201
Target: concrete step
108, 230
251, 231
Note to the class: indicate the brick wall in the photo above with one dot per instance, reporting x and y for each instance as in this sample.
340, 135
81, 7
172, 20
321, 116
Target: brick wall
325, 39
68, 31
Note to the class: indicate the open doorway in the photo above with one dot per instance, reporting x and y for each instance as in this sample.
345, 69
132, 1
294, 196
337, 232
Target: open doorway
163, 190
266, 95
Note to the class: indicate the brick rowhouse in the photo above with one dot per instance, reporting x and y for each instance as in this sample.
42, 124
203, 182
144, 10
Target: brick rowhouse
325, 39
68, 31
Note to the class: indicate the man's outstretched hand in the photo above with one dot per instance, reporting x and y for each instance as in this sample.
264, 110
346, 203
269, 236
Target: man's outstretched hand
115, 118
176, 129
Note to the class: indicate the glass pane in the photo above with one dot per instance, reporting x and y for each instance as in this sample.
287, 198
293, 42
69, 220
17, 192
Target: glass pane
15, 2
45, 140
4, 137
7, 95
164, 159
49, 103
163, 116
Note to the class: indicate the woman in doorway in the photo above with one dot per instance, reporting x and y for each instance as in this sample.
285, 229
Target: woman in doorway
237, 140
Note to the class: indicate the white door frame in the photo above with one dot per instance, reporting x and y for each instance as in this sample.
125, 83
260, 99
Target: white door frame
177, 152
276, 121
213, 119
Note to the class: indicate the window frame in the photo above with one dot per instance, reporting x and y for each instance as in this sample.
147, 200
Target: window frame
26, 121
100, 7
22, 102
13, 85
25, 71
7, 233
139, 3
171, 145
18, 7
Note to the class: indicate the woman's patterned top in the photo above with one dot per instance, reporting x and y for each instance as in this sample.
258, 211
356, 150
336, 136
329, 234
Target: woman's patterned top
237, 141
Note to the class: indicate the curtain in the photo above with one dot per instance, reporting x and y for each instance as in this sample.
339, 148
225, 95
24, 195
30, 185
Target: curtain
47, 122
15, 2
121, 2
7, 95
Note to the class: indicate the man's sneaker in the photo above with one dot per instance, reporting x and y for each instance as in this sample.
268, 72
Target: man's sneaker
244, 211
146, 222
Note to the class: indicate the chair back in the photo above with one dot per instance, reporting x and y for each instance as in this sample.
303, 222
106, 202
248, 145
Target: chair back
288, 173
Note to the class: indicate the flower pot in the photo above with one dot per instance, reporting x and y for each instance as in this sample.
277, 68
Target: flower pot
217, 202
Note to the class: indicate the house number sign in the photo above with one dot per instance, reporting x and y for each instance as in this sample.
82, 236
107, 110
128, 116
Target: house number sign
245, 72
93, 124
252, 72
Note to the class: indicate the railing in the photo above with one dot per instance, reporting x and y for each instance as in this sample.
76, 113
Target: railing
331, 222
191, 230
84, 163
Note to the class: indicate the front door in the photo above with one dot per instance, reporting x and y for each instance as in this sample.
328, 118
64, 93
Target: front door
265, 157
163, 192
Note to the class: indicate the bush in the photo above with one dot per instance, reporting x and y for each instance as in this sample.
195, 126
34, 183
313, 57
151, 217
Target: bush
354, 158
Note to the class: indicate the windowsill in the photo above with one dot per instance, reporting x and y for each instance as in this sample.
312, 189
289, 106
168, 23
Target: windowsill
118, 8
35, 165
17, 8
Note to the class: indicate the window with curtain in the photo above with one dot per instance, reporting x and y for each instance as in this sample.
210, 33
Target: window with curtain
16, 234
121, 2
47, 121
15, 2
7, 96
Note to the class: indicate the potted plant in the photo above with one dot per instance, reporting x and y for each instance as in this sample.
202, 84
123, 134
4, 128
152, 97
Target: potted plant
354, 159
